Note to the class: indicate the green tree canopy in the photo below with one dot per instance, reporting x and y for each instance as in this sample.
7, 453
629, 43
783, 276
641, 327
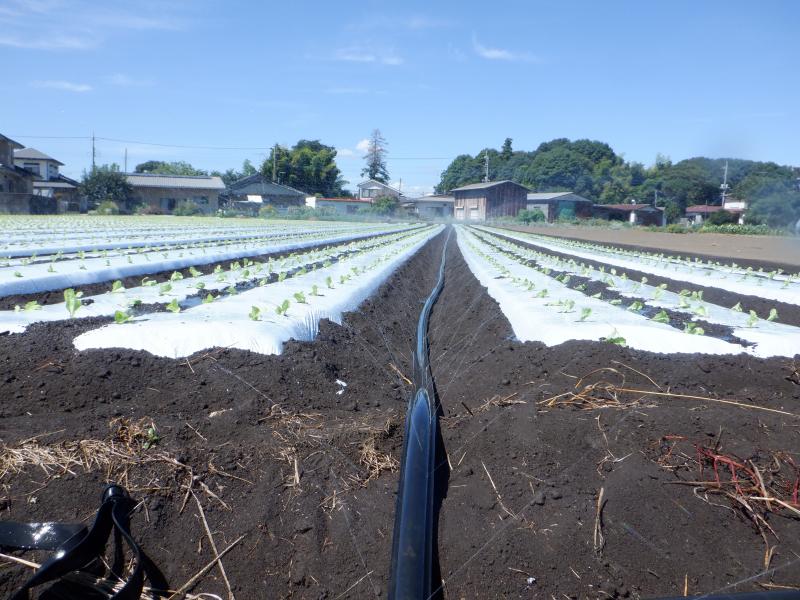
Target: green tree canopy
309, 166
178, 167
232, 175
376, 158
105, 182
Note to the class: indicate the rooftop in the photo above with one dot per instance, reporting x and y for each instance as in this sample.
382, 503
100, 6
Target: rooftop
628, 207
153, 180
552, 195
267, 186
34, 154
484, 185
14, 145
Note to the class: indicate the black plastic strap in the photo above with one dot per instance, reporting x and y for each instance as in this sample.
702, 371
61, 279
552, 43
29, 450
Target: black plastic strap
81, 548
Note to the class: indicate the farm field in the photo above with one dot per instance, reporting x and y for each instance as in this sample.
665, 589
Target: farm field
614, 423
781, 251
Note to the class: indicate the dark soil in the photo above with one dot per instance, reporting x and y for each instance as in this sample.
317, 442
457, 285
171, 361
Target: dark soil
328, 534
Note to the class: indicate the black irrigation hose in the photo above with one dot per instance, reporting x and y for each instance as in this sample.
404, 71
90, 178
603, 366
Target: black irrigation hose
412, 544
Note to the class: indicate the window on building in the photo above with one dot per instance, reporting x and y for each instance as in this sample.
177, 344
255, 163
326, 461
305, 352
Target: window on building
32, 167
200, 200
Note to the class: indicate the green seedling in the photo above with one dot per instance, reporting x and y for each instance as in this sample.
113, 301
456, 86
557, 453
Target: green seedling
636, 305
208, 299
164, 288
200, 285
773, 313
148, 282
194, 272
152, 438
585, 312
231, 289
597, 295
72, 300
693, 328
615, 338
117, 287
176, 276
281, 275
737, 307
615, 302
300, 297
121, 317
18, 274
542, 293
218, 269
254, 314
51, 268
329, 282
173, 306
701, 311
661, 317
282, 308
753, 319
315, 290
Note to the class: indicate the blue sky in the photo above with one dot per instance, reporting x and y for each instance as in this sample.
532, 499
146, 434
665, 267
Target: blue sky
683, 78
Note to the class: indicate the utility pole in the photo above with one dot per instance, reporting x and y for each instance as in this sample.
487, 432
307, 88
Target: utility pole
274, 162
724, 187
126, 160
94, 153
486, 167
400, 187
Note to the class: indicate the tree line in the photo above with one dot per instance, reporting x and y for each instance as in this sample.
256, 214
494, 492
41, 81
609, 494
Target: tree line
593, 170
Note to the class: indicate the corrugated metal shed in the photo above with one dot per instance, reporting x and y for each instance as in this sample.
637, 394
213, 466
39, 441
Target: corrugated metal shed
484, 185
199, 182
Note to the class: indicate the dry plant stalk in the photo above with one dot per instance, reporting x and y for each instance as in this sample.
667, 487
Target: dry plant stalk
376, 462
598, 539
499, 401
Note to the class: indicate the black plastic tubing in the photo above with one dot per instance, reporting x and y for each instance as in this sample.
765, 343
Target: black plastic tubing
412, 543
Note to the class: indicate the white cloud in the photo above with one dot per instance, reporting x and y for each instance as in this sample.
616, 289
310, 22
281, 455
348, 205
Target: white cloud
360, 55
363, 145
344, 153
64, 86
501, 53
123, 80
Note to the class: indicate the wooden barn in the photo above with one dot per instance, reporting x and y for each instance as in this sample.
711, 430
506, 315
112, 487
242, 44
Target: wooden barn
489, 200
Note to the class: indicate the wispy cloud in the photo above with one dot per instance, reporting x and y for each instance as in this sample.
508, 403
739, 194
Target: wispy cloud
122, 80
363, 145
64, 86
41, 24
48, 42
502, 54
361, 55
361, 148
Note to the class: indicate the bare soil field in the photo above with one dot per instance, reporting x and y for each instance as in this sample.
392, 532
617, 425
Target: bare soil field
763, 250
583, 470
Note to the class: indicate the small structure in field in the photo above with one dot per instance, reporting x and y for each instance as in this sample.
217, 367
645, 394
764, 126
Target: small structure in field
48, 182
489, 200
252, 193
164, 192
697, 214
560, 205
16, 183
339, 206
431, 207
371, 189
635, 214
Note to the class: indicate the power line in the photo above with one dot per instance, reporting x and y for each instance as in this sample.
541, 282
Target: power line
192, 147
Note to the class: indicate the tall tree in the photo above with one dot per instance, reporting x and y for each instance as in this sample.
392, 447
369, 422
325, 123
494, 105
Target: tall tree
105, 182
376, 158
309, 166
507, 151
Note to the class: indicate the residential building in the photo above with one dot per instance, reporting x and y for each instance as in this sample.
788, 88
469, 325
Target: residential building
256, 191
560, 205
633, 213
490, 200
164, 192
340, 206
16, 184
371, 189
431, 207
48, 182
697, 214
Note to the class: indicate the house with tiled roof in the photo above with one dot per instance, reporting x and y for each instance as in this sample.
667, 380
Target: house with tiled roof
48, 182
162, 193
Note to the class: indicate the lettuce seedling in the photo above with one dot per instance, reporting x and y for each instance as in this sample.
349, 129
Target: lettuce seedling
636, 305
194, 272
315, 290
753, 319
281, 275
148, 282
585, 312
329, 282
254, 314
282, 308
300, 297
661, 317
34, 305
72, 300
18, 274
121, 317
615, 338
117, 286
773, 313
176, 276
208, 299
164, 288
174, 306
737, 307
693, 328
